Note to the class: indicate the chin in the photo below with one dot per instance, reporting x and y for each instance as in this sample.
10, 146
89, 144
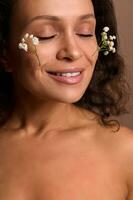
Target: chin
70, 98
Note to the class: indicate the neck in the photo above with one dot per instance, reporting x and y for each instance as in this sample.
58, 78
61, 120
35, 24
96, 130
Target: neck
34, 118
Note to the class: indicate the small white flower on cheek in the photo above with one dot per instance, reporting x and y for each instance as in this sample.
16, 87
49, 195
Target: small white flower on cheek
29, 43
35, 41
23, 46
26, 35
23, 40
114, 37
114, 50
106, 29
106, 53
107, 42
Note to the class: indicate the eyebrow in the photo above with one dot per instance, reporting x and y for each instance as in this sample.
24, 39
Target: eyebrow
58, 19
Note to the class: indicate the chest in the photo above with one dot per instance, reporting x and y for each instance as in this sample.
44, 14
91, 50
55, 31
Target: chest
62, 177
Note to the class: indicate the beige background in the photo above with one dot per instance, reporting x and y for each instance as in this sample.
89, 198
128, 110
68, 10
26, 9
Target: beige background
124, 15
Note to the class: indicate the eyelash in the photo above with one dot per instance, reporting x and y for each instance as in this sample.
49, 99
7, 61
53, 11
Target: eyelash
51, 37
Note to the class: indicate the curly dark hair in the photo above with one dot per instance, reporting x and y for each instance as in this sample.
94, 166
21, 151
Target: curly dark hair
106, 92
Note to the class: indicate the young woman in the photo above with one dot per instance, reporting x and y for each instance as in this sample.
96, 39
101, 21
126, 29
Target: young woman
58, 140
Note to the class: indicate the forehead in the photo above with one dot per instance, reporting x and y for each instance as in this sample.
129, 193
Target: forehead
62, 8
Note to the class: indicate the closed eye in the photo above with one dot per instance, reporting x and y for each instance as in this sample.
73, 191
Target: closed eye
46, 38
50, 37
85, 35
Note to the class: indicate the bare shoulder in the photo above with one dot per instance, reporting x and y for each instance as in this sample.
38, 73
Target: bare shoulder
125, 137
122, 142
120, 146
126, 145
126, 132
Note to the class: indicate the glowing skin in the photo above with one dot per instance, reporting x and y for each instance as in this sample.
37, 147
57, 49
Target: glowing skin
70, 47
67, 49
61, 152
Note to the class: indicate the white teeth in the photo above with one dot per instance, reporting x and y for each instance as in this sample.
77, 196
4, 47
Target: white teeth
68, 74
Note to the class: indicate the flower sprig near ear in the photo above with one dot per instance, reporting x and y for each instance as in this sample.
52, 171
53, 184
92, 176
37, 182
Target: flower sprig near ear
28, 44
107, 42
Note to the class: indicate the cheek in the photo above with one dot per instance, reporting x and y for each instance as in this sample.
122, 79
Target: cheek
25, 61
91, 52
46, 53
24, 67
92, 48
22, 60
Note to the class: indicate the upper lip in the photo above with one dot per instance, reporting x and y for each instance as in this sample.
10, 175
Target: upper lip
66, 70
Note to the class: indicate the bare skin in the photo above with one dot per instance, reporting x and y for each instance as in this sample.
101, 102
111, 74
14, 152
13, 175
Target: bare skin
61, 152
81, 162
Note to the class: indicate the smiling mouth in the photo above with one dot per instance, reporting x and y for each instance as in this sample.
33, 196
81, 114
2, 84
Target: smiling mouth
65, 74
69, 78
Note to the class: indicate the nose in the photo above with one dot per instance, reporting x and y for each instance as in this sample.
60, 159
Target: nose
69, 50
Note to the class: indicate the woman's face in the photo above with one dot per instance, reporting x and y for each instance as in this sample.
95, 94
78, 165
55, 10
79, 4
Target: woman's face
66, 30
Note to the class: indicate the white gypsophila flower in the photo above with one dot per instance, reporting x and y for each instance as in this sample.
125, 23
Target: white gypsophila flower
112, 44
111, 37
35, 40
23, 46
114, 50
114, 37
31, 36
107, 43
28, 43
111, 48
26, 35
104, 33
106, 53
106, 29
23, 40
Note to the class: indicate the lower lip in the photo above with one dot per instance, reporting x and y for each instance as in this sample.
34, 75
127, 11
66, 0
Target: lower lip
68, 80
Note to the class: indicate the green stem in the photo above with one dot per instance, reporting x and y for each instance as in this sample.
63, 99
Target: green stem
98, 48
37, 56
